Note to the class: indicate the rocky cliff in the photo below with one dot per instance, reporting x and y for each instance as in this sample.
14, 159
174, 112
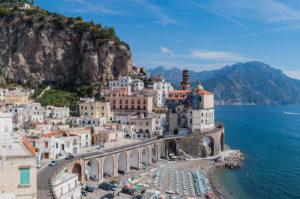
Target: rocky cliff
37, 46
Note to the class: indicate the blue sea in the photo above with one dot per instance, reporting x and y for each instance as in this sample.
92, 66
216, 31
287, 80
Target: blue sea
269, 136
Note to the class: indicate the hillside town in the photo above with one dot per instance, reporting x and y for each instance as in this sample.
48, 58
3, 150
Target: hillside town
34, 138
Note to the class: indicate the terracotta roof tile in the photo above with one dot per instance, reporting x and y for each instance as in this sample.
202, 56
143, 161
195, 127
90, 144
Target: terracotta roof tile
29, 146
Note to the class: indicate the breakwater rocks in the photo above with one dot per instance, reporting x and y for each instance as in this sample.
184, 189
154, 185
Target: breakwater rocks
230, 159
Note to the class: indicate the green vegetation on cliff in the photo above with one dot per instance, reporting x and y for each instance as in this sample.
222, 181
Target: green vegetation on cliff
40, 18
67, 95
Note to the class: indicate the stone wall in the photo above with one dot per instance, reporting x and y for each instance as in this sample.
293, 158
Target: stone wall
192, 143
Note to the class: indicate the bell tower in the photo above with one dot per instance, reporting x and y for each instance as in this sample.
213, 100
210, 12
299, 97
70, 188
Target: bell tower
185, 84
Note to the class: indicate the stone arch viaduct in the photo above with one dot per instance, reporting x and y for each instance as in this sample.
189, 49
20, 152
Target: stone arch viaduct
112, 162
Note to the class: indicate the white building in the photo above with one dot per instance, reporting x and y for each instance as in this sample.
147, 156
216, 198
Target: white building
58, 112
120, 83
87, 121
54, 145
137, 84
163, 88
66, 186
27, 5
143, 127
126, 81
3, 93
5, 124
17, 114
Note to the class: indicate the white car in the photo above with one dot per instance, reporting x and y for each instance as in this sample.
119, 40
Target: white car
53, 163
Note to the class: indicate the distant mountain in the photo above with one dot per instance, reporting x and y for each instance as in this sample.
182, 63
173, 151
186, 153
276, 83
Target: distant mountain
242, 83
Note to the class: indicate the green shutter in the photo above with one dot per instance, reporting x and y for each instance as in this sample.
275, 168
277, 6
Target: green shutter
25, 175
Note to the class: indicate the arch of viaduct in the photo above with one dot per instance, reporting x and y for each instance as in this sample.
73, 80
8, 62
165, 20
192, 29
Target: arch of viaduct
120, 161
112, 164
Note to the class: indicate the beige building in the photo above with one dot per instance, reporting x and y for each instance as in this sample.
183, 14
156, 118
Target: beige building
17, 98
84, 136
95, 110
17, 164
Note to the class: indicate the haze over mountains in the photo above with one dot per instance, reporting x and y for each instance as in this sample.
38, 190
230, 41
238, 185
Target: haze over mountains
241, 83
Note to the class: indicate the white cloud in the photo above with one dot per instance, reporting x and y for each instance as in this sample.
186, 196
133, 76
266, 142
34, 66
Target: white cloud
216, 55
267, 11
293, 74
166, 50
219, 13
87, 7
163, 19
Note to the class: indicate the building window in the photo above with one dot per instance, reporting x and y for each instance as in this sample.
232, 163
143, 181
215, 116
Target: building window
139, 101
46, 144
69, 187
24, 176
61, 191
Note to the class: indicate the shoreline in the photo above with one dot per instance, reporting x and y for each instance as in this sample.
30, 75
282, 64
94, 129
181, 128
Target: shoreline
213, 182
229, 159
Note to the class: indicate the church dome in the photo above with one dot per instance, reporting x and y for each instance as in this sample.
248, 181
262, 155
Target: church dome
199, 87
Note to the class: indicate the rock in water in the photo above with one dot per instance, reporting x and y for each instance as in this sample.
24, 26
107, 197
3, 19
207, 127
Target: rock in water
37, 46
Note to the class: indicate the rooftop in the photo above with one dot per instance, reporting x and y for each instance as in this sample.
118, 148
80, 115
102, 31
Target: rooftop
64, 177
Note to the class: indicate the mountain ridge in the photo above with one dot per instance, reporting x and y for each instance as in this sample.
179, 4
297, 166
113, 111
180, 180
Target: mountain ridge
242, 83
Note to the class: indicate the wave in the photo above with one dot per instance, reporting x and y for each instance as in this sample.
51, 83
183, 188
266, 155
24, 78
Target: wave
290, 113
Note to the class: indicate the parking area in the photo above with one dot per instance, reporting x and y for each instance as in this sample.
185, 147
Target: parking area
175, 179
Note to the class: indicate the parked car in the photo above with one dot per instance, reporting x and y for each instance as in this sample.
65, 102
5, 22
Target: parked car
145, 165
160, 137
141, 196
89, 188
38, 166
53, 163
121, 172
70, 157
108, 196
115, 187
106, 186
84, 193
129, 191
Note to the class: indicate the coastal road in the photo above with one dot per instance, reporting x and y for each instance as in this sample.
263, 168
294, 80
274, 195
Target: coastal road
45, 173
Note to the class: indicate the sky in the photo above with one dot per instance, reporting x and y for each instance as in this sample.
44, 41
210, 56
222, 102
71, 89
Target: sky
198, 34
